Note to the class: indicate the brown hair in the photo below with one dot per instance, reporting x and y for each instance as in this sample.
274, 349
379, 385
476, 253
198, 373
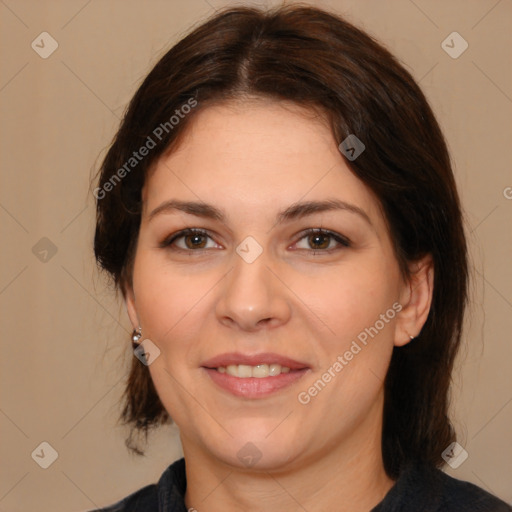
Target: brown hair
317, 60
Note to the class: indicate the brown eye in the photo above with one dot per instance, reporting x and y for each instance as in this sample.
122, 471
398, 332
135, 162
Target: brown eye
195, 241
189, 240
320, 240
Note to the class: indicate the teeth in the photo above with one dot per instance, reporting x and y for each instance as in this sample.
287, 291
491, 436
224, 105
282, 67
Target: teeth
274, 369
262, 370
244, 371
259, 371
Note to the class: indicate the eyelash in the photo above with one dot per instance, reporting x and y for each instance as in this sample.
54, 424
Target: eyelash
341, 240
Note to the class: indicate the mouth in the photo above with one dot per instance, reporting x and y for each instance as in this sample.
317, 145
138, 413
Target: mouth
254, 376
259, 371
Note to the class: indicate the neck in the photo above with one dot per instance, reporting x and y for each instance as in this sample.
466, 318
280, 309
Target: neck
348, 477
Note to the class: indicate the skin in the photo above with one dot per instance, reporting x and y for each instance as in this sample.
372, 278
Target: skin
252, 161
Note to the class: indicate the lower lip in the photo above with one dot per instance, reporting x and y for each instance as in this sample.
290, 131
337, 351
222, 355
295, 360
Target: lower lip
253, 387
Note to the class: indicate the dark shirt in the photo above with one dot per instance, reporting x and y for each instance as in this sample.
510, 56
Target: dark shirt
419, 488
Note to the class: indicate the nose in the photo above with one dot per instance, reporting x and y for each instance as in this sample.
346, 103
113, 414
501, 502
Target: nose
252, 297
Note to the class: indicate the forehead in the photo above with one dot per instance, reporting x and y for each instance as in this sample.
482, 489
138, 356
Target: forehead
257, 154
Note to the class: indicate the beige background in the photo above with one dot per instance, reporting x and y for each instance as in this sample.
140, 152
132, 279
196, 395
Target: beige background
66, 339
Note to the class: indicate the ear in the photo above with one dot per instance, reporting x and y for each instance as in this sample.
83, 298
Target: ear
129, 299
415, 299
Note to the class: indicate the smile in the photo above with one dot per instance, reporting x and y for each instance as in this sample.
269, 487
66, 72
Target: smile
254, 375
259, 371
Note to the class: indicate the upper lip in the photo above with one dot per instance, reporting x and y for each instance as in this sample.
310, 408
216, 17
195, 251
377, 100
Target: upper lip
253, 360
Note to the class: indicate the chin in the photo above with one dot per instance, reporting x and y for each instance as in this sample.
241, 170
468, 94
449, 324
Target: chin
260, 456
261, 447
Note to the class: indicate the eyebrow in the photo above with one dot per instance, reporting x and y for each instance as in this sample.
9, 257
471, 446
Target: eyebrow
294, 211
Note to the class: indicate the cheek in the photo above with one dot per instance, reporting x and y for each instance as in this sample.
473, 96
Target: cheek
356, 304
168, 302
352, 298
171, 308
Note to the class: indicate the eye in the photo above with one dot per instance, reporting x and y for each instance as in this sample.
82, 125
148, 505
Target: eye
320, 240
190, 239
316, 240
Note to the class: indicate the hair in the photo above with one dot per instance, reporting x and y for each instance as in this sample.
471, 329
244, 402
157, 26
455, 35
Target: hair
319, 61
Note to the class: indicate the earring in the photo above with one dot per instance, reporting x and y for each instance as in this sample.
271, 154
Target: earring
136, 336
412, 337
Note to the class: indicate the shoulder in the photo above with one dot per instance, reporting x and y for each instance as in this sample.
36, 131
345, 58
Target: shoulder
145, 499
460, 495
168, 494
424, 488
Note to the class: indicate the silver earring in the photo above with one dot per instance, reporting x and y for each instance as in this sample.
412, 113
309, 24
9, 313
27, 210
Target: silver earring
137, 335
412, 337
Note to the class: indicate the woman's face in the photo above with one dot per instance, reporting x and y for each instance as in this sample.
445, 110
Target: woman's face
258, 290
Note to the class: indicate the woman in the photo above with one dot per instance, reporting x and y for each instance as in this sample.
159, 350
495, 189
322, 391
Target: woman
280, 214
